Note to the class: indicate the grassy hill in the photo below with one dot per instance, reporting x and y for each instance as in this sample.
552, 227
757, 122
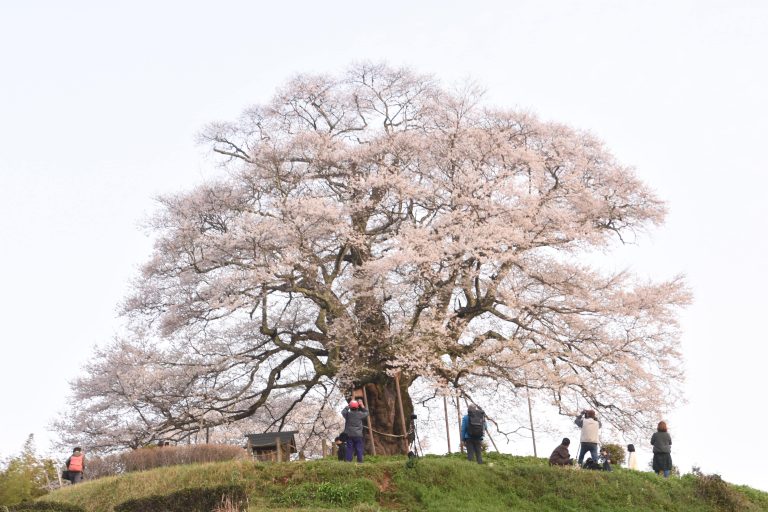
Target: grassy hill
442, 484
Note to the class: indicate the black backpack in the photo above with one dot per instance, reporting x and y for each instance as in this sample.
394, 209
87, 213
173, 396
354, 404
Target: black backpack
476, 424
591, 464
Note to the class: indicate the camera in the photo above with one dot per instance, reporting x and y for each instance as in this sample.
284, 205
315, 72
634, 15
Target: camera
413, 416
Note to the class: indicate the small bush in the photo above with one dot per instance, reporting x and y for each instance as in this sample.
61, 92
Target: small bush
194, 499
45, 506
615, 453
718, 493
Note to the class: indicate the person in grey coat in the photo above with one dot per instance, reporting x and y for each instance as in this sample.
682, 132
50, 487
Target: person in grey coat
354, 414
662, 450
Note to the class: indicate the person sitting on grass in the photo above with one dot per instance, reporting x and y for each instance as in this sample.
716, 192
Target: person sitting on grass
605, 460
561, 456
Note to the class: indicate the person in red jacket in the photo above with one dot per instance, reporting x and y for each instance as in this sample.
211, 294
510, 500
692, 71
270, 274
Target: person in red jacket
76, 465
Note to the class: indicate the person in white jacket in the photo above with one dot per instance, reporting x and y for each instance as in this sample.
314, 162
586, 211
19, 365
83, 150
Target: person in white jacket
590, 434
631, 457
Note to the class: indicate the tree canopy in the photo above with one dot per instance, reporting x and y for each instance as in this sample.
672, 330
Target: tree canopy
376, 223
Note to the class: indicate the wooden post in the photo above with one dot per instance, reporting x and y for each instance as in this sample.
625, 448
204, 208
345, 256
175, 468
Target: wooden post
325, 448
370, 428
402, 413
492, 441
530, 417
458, 415
447, 430
279, 449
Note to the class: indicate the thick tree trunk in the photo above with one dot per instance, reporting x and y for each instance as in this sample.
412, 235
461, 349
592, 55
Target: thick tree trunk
385, 416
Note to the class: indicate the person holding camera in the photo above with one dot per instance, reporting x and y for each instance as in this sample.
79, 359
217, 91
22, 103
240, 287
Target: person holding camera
590, 434
354, 414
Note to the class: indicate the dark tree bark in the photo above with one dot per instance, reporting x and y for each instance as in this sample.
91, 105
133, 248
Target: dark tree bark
385, 415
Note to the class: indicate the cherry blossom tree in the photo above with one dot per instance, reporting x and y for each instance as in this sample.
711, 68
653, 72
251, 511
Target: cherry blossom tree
377, 225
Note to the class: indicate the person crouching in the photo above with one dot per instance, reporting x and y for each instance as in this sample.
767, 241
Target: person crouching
561, 456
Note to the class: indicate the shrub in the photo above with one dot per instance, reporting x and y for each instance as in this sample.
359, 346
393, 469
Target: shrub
718, 493
615, 453
26, 476
194, 499
155, 457
45, 506
148, 458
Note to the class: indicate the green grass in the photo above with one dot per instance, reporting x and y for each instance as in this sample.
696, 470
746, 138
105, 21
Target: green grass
442, 484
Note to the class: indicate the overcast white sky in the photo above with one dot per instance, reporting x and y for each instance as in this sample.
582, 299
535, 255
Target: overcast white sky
100, 105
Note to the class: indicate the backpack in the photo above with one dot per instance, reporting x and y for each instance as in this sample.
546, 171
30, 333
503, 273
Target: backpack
476, 424
591, 464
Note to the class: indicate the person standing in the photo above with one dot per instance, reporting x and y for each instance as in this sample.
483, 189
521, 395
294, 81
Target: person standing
631, 457
662, 450
561, 456
76, 465
354, 414
472, 431
590, 434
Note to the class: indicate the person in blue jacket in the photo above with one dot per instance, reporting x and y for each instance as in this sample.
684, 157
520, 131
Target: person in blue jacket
472, 433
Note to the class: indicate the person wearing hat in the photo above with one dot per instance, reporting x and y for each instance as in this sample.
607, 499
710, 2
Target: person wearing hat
76, 465
561, 456
354, 414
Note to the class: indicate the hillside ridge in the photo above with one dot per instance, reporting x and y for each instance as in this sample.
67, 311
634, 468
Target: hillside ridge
433, 483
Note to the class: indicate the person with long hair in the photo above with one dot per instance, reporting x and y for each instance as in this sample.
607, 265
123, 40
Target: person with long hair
662, 449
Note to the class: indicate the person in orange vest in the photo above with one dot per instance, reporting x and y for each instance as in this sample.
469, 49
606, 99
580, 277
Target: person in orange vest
76, 465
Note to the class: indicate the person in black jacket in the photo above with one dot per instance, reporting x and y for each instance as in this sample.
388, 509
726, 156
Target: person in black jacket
341, 446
